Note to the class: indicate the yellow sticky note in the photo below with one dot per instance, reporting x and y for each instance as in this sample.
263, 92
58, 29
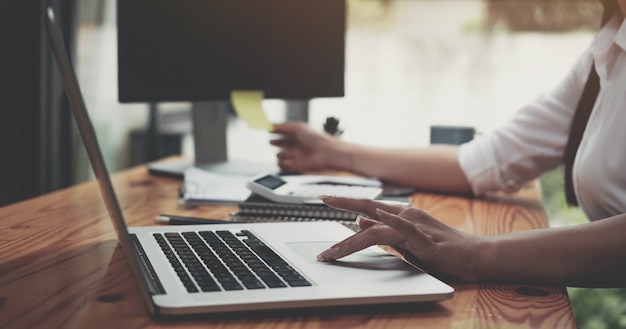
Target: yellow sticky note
247, 104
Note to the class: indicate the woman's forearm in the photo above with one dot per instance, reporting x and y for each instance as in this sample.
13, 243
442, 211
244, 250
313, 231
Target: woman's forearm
433, 168
589, 255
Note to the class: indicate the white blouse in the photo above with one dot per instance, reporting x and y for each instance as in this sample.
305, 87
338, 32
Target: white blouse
534, 140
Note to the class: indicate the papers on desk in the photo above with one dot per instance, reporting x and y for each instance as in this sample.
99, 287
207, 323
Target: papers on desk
203, 187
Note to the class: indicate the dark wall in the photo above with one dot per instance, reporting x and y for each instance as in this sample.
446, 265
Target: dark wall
35, 126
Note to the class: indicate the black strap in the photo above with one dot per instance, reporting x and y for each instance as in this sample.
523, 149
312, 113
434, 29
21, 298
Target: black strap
583, 111
579, 122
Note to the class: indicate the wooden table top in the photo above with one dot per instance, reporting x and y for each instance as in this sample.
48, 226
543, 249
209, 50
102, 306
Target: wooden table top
61, 266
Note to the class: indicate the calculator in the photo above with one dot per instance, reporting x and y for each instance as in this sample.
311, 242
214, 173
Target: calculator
275, 188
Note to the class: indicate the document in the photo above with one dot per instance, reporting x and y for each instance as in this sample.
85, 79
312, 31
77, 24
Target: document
247, 104
205, 187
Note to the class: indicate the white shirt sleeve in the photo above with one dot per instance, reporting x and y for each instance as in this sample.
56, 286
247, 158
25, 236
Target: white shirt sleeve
531, 143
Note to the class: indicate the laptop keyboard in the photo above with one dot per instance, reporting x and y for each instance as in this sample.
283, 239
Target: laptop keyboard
220, 260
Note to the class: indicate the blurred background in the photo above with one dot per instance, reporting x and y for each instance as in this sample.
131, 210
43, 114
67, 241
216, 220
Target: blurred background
410, 64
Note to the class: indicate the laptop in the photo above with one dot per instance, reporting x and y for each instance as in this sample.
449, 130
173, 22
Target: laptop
196, 269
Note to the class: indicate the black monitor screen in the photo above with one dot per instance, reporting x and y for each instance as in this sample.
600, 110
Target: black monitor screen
196, 50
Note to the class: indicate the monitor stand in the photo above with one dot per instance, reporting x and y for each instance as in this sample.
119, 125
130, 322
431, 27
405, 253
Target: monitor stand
210, 128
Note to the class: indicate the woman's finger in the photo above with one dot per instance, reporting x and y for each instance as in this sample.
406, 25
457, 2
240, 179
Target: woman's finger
283, 143
288, 128
407, 229
365, 207
283, 155
374, 235
365, 223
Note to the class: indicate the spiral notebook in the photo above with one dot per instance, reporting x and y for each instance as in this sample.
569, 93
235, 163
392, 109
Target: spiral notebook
259, 209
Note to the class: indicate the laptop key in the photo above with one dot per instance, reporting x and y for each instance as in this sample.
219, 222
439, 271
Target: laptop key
231, 286
299, 283
273, 281
252, 283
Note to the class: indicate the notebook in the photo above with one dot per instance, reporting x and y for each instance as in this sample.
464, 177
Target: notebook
257, 205
174, 265
259, 209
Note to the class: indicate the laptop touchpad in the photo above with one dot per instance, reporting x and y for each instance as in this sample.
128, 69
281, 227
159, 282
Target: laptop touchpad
372, 258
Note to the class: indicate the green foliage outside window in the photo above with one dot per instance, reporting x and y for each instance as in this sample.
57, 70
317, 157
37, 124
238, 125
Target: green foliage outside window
593, 308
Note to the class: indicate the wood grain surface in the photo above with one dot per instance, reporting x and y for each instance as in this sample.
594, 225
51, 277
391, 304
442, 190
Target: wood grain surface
61, 266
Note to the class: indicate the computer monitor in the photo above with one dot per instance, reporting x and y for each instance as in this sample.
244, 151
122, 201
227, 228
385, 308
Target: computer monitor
201, 50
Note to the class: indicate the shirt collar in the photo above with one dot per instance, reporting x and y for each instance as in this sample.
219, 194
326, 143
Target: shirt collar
620, 36
607, 33
612, 33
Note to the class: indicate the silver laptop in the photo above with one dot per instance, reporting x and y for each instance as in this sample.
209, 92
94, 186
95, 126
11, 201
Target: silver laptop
201, 269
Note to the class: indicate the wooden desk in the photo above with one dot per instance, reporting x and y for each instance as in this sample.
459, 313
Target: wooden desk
60, 266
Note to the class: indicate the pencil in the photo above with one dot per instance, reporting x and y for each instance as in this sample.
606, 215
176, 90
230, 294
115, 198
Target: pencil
182, 220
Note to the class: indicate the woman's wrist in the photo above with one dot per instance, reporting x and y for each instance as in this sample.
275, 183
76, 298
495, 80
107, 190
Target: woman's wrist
486, 259
340, 156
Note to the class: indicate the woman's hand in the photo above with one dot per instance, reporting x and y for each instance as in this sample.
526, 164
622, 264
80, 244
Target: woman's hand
302, 148
414, 233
